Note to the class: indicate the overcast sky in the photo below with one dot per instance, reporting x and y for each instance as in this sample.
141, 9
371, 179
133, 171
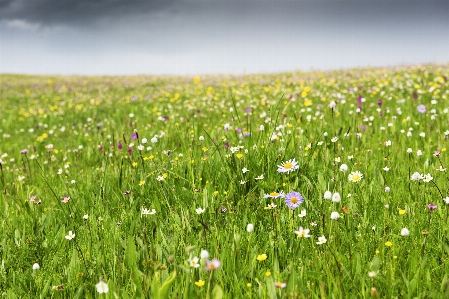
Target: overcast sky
218, 36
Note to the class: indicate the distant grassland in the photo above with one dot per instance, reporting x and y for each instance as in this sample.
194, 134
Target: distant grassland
292, 185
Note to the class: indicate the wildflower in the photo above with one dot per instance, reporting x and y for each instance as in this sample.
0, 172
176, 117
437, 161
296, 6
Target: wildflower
70, 236
154, 139
334, 139
201, 138
250, 227
437, 154
343, 167
65, 199
422, 109
85, 217
335, 215
327, 195
321, 240
242, 182
199, 283
212, 265
160, 178
427, 178
371, 274
36, 266
199, 211
388, 143
102, 287
274, 194
270, 206
405, 232
432, 207
388, 243
409, 150
280, 285
288, 166
33, 198
148, 212
302, 233
302, 214
355, 176
387, 189
260, 177
402, 212
268, 273
293, 200
446, 200
194, 262
127, 192
204, 254
336, 197
416, 176
386, 168
441, 168
261, 257
226, 126
419, 153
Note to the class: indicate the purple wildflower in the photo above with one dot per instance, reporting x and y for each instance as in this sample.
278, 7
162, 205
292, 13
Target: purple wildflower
119, 145
212, 265
379, 102
127, 192
65, 199
422, 108
293, 199
432, 207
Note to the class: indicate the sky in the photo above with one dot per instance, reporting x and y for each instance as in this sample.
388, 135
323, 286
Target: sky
194, 37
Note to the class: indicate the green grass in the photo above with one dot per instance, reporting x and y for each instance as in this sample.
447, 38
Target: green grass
72, 127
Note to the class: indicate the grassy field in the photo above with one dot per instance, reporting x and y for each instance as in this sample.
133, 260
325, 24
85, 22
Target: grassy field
292, 185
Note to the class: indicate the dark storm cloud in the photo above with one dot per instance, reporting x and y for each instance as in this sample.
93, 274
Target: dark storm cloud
54, 12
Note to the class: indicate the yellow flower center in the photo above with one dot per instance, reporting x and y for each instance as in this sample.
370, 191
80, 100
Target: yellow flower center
274, 194
294, 200
355, 177
288, 165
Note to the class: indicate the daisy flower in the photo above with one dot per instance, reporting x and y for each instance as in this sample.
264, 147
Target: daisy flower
302, 214
102, 287
302, 233
355, 176
293, 200
427, 178
287, 167
321, 240
194, 262
270, 206
70, 236
275, 194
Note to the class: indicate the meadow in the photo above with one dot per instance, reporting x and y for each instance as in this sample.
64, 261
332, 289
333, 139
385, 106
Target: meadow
291, 185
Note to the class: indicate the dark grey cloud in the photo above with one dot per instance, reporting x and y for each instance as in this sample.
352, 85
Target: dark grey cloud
77, 12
